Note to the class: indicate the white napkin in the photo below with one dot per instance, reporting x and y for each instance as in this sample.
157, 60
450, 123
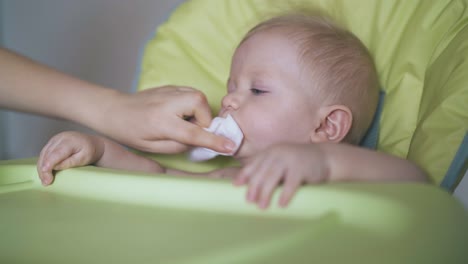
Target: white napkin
226, 127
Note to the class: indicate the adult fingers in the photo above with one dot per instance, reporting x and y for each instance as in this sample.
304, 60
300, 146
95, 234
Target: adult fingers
188, 102
164, 146
200, 111
191, 134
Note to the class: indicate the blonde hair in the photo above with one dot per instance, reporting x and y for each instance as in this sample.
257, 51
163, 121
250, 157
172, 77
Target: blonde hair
341, 66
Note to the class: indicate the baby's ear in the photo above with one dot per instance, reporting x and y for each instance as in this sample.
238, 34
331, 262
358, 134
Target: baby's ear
334, 124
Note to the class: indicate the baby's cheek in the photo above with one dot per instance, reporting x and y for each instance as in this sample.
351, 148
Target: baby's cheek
262, 133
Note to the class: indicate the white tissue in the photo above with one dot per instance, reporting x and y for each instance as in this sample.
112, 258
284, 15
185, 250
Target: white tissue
226, 127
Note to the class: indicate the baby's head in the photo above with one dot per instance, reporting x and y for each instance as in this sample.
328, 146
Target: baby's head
299, 78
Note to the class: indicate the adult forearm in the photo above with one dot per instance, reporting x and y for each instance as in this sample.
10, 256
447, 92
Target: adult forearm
151, 120
28, 86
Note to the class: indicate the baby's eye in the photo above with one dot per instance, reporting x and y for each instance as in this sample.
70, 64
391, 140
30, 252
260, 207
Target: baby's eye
256, 91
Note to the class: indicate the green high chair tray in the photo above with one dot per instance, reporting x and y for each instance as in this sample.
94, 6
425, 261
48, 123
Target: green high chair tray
96, 215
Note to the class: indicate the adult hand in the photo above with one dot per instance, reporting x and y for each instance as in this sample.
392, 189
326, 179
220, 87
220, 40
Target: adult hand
152, 120
164, 120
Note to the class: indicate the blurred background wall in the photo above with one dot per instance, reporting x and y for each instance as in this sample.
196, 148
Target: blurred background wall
100, 41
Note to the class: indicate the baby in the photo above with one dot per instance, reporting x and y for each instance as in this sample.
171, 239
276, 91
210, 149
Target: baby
298, 85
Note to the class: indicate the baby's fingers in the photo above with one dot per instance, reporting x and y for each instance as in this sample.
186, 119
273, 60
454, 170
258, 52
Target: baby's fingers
49, 161
257, 181
46, 177
269, 186
43, 162
245, 173
73, 160
290, 186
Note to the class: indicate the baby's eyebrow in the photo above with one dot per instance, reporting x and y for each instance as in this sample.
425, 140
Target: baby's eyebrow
262, 76
263, 81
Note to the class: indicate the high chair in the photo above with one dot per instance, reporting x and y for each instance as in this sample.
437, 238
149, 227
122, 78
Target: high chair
101, 215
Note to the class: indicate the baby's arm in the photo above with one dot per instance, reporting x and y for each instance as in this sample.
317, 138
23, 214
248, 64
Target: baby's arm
352, 163
117, 157
73, 149
297, 164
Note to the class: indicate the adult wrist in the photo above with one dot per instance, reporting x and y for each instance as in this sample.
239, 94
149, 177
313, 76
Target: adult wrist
94, 108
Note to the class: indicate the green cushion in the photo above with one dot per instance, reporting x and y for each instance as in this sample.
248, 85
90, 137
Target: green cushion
419, 46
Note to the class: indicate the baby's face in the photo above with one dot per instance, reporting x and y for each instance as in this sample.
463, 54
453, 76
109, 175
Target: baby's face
267, 94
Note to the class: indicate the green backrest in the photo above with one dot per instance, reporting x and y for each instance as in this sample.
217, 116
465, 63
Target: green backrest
420, 48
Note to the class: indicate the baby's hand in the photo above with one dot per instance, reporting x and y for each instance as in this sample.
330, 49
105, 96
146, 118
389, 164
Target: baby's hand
291, 164
66, 150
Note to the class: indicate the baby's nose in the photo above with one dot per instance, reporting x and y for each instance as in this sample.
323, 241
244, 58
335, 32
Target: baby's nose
230, 101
